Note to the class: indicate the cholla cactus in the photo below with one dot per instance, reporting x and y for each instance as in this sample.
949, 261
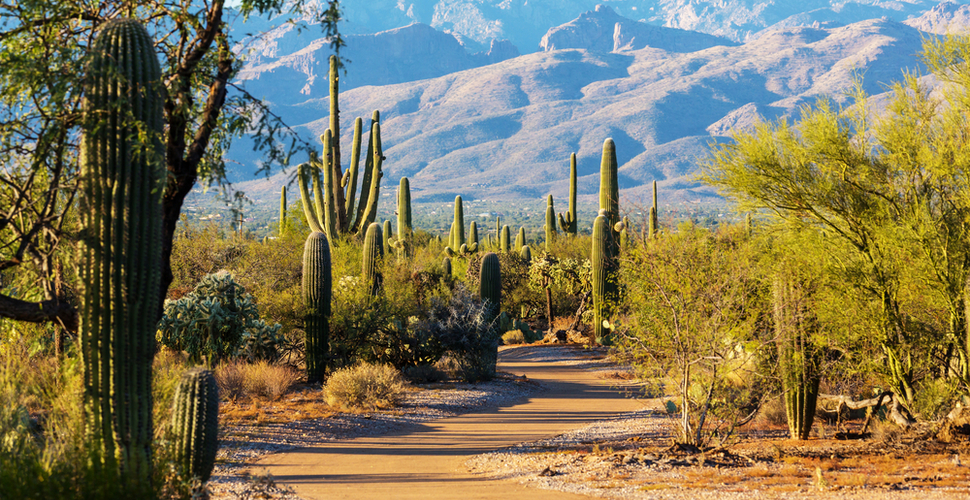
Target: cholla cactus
215, 321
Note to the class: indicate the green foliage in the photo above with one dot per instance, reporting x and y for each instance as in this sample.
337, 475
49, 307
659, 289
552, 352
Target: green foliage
459, 323
365, 387
215, 321
889, 186
699, 327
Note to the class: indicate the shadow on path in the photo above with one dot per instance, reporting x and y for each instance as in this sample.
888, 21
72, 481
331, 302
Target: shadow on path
426, 460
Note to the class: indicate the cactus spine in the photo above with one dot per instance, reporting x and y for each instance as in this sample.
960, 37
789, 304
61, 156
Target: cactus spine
504, 242
282, 210
373, 254
550, 224
490, 291
195, 423
798, 358
569, 222
121, 182
317, 292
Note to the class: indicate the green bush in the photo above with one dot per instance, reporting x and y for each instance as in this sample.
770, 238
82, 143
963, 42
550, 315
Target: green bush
513, 337
216, 321
459, 324
365, 387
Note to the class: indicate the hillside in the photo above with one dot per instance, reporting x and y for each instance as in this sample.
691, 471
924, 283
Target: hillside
506, 130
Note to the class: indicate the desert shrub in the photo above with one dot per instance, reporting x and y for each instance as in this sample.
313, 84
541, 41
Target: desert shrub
365, 387
199, 250
214, 320
259, 380
513, 337
459, 324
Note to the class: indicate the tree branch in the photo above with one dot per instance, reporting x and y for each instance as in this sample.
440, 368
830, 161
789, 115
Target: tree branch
54, 310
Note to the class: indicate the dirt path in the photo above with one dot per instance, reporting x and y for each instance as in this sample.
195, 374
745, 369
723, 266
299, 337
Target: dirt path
426, 461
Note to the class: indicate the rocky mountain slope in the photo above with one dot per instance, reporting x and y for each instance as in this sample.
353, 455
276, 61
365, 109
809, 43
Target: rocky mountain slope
506, 130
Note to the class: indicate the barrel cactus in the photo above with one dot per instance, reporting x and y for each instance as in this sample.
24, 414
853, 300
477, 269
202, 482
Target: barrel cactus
195, 423
121, 181
317, 293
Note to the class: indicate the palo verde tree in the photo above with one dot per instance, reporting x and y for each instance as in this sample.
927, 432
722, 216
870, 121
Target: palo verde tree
891, 183
43, 50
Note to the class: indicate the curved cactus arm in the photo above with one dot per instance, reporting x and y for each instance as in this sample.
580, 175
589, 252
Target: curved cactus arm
308, 210
365, 185
373, 197
350, 186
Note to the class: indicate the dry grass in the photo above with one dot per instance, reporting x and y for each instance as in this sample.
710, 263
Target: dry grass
260, 380
513, 337
365, 387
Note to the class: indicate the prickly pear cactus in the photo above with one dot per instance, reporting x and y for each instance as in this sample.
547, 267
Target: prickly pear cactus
121, 181
195, 423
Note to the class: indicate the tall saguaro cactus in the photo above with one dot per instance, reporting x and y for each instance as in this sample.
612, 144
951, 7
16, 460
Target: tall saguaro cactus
550, 224
404, 231
569, 222
458, 238
195, 422
504, 239
340, 215
798, 358
317, 293
121, 182
282, 210
654, 226
490, 291
601, 261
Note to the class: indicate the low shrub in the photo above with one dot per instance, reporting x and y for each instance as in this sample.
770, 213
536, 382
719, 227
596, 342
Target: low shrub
365, 387
255, 380
513, 337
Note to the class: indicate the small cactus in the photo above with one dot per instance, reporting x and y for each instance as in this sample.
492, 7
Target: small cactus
195, 423
798, 357
526, 254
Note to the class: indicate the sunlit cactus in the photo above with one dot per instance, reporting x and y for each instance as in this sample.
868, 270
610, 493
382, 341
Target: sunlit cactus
120, 183
195, 423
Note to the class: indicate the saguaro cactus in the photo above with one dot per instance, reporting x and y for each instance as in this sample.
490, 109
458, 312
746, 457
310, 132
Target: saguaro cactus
446, 268
490, 291
458, 239
121, 182
373, 254
404, 230
569, 222
609, 188
603, 265
317, 293
472, 233
386, 237
520, 239
195, 423
654, 226
504, 241
336, 212
798, 358
282, 210
550, 224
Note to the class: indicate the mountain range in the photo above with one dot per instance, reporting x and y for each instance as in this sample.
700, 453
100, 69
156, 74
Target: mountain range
486, 115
